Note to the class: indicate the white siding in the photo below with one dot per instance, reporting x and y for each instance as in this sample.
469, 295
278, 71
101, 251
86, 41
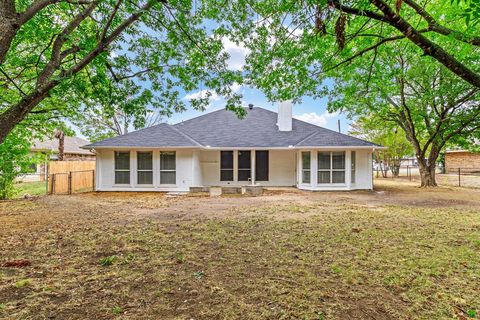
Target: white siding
202, 168
106, 174
363, 179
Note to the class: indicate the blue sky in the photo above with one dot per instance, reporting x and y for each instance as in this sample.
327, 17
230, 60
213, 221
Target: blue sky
310, 110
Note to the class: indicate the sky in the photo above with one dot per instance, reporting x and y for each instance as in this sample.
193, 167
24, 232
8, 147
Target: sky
309, 110
312, 111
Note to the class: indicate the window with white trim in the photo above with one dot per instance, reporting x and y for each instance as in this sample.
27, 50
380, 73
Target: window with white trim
144, 167
331, 167
306, 167
122, 167
168, 172
353, 166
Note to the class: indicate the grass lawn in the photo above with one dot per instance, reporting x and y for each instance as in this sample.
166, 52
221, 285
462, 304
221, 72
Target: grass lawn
397, 253
36, 188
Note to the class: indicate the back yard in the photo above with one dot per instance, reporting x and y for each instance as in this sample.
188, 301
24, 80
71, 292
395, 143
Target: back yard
395, 253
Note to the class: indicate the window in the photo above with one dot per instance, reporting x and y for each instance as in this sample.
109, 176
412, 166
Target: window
168, 173
324, 167
144, 168
353, 166
261, 165
226, 165
305, 167
331, 167
244, 165
122, 167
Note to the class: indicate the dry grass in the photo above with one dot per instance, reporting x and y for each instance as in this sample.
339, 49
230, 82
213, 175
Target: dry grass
394, 254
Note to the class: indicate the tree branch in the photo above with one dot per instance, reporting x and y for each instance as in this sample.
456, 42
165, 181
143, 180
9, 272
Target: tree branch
438, 28
429, 48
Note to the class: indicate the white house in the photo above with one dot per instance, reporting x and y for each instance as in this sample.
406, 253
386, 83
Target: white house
219, 149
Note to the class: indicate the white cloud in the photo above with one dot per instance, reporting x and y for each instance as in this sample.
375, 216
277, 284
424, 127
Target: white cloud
237, 53
236, 87
201, 95
317, 119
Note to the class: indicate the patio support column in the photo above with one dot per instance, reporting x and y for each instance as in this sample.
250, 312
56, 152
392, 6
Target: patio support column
348, 168
252, 165
133, 167
314, 168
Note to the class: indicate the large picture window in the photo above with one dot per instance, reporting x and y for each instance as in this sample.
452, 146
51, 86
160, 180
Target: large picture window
144, 167
305, 167
331, 167
353, 166
168, 174
244, 165
226, 165
122, 167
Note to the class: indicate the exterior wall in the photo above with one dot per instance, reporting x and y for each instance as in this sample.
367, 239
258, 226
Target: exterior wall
363, 177
196, 168
463, 160
105, 178
281, 173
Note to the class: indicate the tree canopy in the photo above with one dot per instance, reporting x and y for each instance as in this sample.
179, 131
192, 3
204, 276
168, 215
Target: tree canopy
54, 50
394, 60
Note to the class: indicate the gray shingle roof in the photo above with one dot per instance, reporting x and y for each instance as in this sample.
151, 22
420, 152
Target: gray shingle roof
162, 135
224, 129
72, 145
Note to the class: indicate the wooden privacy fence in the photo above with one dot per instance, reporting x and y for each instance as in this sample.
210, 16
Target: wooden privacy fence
67, 177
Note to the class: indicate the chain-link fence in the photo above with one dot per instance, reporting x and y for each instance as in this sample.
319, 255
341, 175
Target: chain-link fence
460, 177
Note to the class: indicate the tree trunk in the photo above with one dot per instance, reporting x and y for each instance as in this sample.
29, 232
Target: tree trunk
427, 173
60, 135
8, 26
16, 113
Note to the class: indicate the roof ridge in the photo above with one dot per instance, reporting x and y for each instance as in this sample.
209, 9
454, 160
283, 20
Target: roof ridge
307, 137
185, 135
200, 116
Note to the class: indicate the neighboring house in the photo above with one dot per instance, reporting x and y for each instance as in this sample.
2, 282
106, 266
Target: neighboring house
465, 160
72, 152
219, 149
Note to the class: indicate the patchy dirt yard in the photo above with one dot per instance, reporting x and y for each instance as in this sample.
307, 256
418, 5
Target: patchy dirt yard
398, 252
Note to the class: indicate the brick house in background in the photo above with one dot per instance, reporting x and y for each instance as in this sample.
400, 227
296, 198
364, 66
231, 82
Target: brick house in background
72, 152
467, 161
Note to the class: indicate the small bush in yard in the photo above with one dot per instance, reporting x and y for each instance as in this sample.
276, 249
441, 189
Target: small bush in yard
107, 261
117, 310
199, 274
23, 283
471, 313
180, 258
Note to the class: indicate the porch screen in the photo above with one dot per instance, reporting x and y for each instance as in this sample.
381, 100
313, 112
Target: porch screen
305, 167
261, 165
122, 167
168, 173
244, 165
226, 165
144, 168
